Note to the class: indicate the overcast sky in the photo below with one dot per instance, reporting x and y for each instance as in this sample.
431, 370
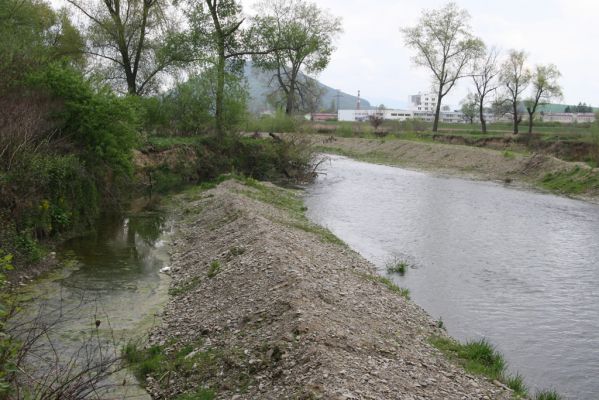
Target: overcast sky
371, 56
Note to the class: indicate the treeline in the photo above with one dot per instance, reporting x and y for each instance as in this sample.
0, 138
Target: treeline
77, 99
508, 85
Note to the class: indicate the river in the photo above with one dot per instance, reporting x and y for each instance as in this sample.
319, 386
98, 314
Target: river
517, 267
112, 278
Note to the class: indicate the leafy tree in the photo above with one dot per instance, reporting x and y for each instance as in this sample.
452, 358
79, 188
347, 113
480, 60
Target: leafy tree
134, 42
33, 34
445, 45
515, 78
218, 32
485, 72
545, 88
470, 106
302, 37
567, 109
191, 105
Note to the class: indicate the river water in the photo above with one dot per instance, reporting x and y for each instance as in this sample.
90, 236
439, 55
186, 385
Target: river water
517, 267
114, 279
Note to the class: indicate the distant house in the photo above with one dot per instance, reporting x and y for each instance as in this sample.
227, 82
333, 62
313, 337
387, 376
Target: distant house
423, 102
323, 117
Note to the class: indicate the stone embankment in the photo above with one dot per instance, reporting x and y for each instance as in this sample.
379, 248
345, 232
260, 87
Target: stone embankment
266, 305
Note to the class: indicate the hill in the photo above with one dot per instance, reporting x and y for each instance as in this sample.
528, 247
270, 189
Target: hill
259, 84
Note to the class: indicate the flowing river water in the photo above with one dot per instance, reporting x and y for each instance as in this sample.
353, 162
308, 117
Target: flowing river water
517, 267
114, 279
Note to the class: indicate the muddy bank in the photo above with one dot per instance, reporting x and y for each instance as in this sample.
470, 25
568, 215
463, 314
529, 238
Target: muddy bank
266, 305
538, 170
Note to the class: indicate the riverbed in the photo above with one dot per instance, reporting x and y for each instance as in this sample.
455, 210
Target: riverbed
518, 267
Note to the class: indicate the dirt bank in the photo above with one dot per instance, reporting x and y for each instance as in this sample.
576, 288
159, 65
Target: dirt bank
537, 170
266, 305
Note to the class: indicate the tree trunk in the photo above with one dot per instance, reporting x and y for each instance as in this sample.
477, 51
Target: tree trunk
481, 114
220, 90
290, 99
516, 121
530, 116
438, 110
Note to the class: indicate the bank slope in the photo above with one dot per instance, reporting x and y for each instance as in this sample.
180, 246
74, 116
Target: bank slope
266, 305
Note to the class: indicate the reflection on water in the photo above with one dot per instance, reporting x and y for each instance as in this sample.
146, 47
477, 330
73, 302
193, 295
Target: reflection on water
518, 267
115, 283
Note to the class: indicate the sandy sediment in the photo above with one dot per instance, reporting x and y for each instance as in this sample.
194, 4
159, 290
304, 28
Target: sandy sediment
277, 310
469, 161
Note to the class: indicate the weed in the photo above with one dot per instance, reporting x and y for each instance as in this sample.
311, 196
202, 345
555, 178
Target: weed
509, 154
440, 324
404, 292
516, 383
479, 357
213, 269
547, 395
143, 361
186, 287
397, 267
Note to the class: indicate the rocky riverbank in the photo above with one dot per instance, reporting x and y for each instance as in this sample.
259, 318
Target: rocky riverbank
265, 305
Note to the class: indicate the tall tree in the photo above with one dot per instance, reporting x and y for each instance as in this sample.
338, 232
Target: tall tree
515, 78
303, 35
134, 41
470, 106
445, 45
484, 75
544, 88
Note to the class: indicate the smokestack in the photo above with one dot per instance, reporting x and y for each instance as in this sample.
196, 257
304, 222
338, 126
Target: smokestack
358, 101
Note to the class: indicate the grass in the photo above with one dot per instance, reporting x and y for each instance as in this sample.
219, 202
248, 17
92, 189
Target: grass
214, 268
576, 181
289, 201
404, 292
186, 287
481, 358
516, 383
547, 395
477, 357
397, 267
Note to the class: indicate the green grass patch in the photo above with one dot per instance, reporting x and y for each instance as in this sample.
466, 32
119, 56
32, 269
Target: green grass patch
509, 154
477, 357
516, 383
186, 287
576, 181
214, 268
397, 267
288, 200
547, 395
156, 361
404, 292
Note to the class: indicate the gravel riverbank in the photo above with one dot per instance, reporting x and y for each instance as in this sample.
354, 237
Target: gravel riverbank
265, 305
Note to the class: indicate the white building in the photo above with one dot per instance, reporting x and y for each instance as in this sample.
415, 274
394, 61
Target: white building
568, 118
401, 115
423, 102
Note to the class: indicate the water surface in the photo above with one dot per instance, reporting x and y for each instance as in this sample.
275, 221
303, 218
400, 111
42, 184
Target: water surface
113, 280
517, 267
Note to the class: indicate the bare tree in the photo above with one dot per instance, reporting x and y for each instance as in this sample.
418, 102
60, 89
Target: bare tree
515, 77
445, 45
545, 88
303, 34
134, 40
484, 75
